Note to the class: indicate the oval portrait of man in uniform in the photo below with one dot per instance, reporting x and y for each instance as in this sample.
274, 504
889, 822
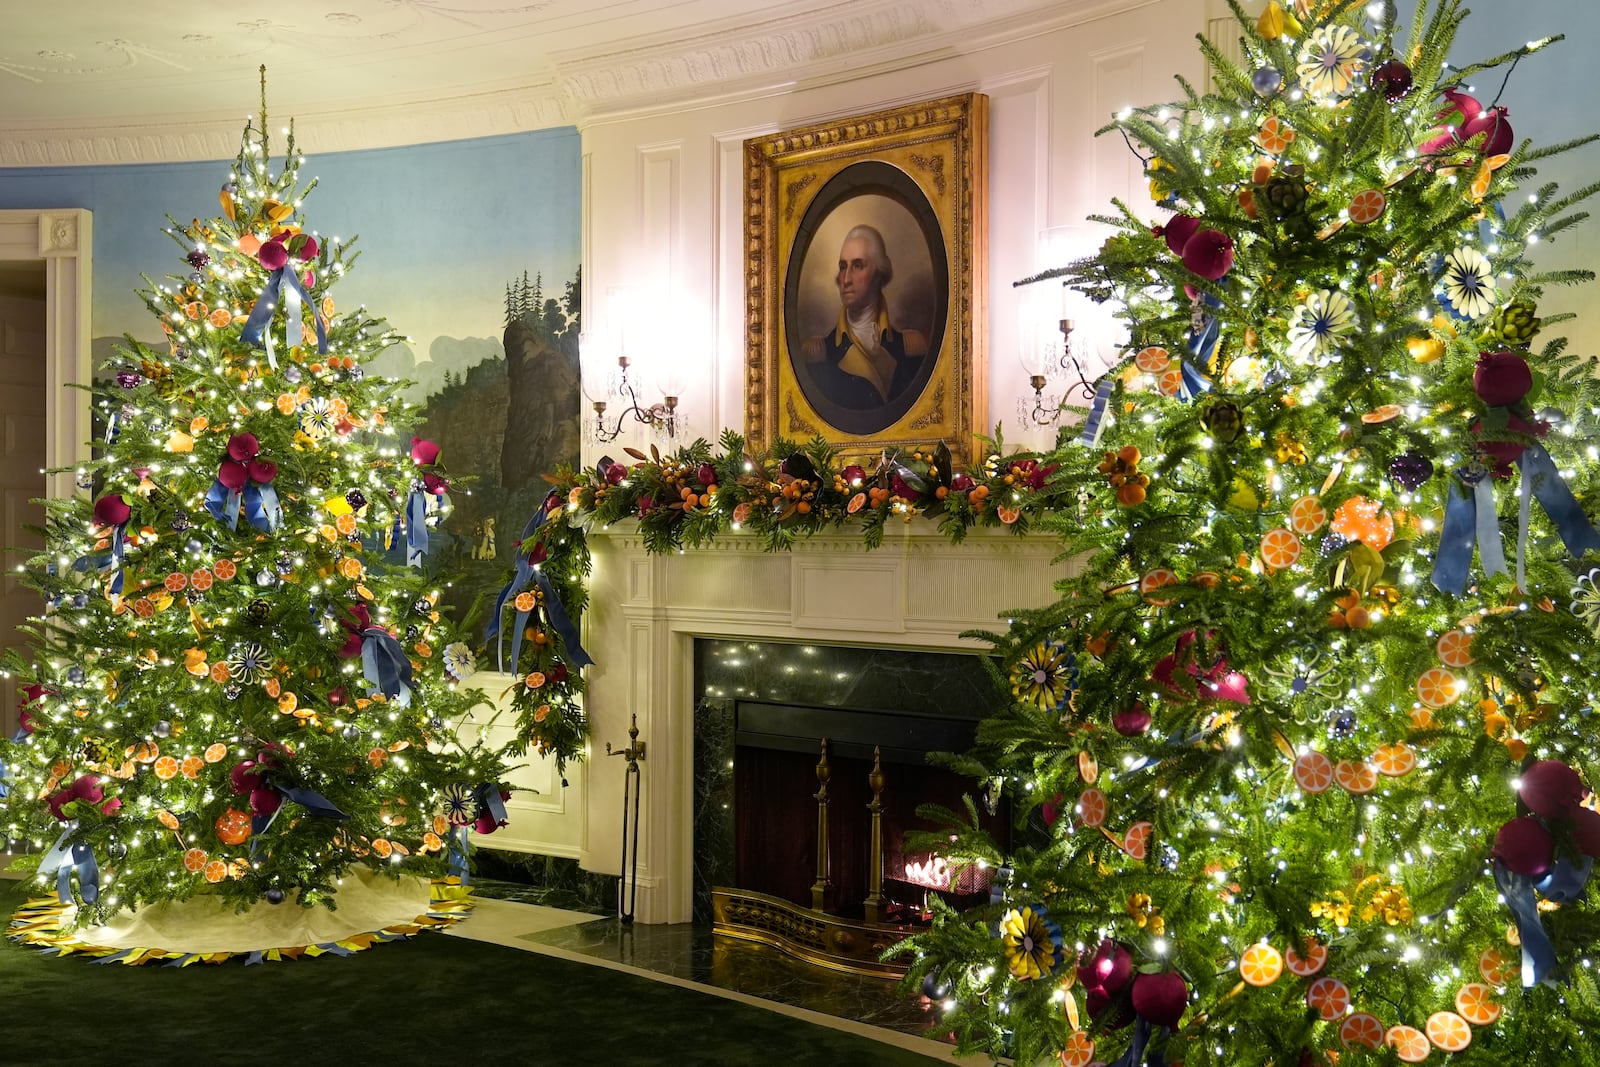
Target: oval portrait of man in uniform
866, 297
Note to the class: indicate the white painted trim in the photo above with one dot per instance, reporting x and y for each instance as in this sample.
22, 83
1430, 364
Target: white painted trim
63, 241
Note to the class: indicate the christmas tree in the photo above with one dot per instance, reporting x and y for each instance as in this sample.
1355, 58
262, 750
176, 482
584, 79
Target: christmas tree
235, 688
1303, 754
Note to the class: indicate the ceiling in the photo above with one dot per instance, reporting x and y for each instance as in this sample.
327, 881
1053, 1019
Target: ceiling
77, 77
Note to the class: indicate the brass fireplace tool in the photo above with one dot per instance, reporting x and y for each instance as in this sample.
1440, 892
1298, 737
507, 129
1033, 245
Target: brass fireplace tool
628, 886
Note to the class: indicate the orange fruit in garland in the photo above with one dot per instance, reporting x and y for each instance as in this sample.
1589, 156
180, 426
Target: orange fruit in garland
1438, 688
233, 827
1494, 967
216, 871
1260, 965
1476, 1004
1079, 1050
1329, 998
1449, 1031
1368, 206
1280, 549
1136, 842
214, 753
1361, 1029
1313, 772
1396, 760
1152, 360
1409, 1043
166, 768
1155, 580
194, 859
1355, 777
1454, 648
1092, 807
1314, 959
1307, 516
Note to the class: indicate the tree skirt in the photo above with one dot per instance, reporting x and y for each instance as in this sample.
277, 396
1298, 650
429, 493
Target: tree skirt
373, 908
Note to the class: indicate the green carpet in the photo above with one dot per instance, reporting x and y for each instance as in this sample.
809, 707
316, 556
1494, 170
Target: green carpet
433, 999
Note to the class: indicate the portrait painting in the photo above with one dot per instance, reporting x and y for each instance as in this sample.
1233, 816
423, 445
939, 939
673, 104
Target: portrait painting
866, 280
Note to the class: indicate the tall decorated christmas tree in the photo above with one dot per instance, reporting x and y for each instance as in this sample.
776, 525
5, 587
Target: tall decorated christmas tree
1305, 750
239, 687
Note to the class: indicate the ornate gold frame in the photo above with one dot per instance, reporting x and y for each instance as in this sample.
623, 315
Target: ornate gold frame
942, 146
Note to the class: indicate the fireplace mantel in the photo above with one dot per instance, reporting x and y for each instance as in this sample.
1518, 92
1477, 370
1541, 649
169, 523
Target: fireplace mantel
918, 591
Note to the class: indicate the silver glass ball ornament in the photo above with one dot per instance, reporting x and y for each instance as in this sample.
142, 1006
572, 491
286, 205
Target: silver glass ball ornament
1267, 81
163, 728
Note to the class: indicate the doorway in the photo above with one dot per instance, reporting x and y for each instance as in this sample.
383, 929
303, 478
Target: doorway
23, 434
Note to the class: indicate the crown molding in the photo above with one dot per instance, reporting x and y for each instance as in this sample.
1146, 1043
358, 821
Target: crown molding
726, 61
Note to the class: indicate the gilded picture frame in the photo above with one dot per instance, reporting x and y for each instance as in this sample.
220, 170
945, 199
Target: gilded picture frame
867, 280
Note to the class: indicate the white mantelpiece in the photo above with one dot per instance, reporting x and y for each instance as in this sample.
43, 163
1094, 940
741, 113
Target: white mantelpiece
916, 592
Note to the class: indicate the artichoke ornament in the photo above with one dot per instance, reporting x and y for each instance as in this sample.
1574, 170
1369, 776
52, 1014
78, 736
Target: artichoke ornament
1289, 203
1515, 324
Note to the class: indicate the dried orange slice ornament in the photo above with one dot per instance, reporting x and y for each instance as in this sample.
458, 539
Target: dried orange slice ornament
1438, 688
1313, 772
1409, 1043
1314, 959
216, 871
1079, 1050
1329, 998
1494, 967
1088, 768
1382, 414
1307, 515
1092, 807
192, 766
1280, 549
1449, 1031
1152, 360
1275, 136
1368, 206
1396, 760
215, 753
1454, 648
1008, 515
194, 859
1260, 965
1155, 580
1136, 842
1476, 1004
1361, 1029
1170, 381
1356, 777
166, 768
167, 819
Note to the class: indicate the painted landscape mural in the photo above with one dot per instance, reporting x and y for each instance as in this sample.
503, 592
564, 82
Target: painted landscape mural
470, 248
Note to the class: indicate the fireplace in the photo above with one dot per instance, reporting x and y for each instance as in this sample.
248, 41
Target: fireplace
762, 710
652, 619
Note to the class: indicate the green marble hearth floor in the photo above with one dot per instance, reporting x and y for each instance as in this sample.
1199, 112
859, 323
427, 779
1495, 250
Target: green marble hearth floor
498, 988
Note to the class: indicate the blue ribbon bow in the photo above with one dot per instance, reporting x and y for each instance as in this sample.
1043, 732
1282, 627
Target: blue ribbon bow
1138, 1051
1095, 424
1543, 482
64, 859
416, 527
1469, 515
554, 610
282, 282
385, 665
259, 503
314, 803
488, 797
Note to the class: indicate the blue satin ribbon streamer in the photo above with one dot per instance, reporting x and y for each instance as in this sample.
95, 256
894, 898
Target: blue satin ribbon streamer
416, 527
488, 795
113, 427
524, 574
1538, 954
1138, 1049
460, 849
1203, 341
261, 507
1566, 880
314, 803
1469, 516
223, 503
256, 332
1193, 382
1540, 475
384, 664
64, 859
119, 534
1095, 424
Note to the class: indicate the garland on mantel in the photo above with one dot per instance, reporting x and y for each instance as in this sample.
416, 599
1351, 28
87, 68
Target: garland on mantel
793, 491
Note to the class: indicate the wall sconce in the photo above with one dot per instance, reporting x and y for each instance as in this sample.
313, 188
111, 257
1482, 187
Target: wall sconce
606, 384
1049, 353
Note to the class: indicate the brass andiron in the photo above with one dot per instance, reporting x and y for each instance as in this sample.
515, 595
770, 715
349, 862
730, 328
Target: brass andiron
874, 901
628, 886
822, 888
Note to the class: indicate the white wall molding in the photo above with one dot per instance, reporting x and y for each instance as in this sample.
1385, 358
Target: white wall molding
727, 61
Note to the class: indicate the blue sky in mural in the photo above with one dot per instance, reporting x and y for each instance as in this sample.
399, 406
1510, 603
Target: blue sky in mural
443, 227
